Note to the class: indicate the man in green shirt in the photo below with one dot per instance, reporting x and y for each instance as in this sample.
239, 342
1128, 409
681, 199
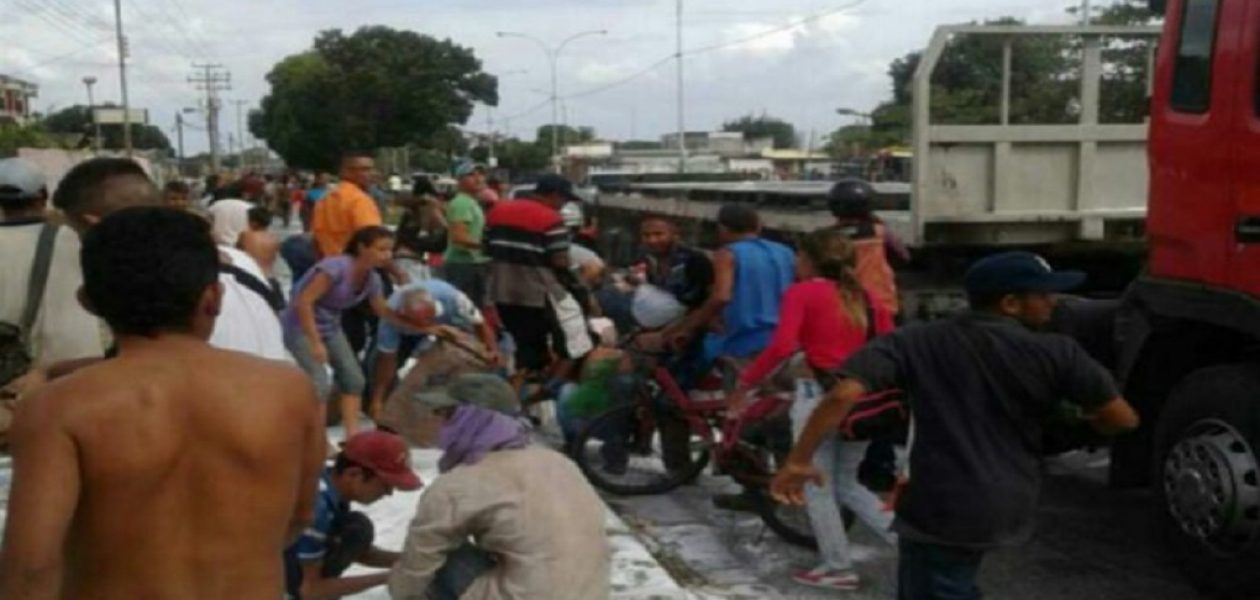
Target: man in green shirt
466, 265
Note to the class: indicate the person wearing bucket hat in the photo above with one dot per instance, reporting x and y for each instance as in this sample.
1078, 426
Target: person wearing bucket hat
536, 525
369, 467
465, 262
981, 387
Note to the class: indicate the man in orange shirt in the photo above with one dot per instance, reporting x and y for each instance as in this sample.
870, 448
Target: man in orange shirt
347, 208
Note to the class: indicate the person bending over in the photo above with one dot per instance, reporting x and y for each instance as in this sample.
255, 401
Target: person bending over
371, 466
426, 308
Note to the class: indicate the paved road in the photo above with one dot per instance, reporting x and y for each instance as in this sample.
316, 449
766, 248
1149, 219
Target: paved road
1092, 544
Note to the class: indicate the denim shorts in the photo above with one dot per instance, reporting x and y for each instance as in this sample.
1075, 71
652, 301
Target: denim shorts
347, 373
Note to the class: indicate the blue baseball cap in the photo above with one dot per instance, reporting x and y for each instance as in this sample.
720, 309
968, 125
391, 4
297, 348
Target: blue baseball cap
466, 167
1016, 272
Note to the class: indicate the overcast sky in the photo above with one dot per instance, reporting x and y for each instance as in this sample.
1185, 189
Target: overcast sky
801, 73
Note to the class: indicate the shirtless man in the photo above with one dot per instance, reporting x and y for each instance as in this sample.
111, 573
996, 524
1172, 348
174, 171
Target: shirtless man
175, 470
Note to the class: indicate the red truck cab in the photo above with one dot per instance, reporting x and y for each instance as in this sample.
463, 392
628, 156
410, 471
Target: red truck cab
1189, 327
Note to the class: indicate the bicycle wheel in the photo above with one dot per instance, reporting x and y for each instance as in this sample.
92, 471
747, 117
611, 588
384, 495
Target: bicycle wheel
623, 451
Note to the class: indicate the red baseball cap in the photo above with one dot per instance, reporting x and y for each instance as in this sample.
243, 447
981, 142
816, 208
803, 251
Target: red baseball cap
386, 455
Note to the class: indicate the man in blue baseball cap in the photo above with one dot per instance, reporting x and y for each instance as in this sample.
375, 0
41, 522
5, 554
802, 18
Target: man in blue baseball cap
981, 387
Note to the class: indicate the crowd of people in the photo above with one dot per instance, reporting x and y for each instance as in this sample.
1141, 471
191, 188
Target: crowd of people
156, 365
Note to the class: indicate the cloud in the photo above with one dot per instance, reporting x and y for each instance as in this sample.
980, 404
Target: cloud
801, 73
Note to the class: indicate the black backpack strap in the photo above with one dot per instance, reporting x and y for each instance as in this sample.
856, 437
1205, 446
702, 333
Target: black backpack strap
41, 265
273, 296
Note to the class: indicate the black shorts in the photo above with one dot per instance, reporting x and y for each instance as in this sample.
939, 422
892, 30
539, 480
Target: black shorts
536, 332
469, 278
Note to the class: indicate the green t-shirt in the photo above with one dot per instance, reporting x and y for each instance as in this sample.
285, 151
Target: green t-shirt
465, 209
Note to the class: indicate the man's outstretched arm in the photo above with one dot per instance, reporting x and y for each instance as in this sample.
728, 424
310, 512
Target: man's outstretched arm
42, 502
789, 483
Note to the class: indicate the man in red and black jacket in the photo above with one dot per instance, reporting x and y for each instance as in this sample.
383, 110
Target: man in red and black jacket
530, 281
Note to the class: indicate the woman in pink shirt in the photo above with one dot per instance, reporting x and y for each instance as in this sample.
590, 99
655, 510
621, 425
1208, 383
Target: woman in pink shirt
827, 315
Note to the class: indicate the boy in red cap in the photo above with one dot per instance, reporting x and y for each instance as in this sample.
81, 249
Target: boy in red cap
371, 466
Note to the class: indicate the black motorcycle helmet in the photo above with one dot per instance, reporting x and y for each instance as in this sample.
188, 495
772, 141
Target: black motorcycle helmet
851, 199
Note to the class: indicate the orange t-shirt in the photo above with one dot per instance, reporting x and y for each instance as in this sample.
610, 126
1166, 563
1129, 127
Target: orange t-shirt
345, 210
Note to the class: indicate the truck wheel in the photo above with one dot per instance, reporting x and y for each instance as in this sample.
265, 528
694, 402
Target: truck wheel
1207, 481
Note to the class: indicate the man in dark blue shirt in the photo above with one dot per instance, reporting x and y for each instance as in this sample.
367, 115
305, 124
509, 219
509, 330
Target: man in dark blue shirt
671, 265
371, 466
981, 385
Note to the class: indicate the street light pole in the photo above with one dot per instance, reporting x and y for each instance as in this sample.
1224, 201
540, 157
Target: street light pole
553, 55
122, 76
179, 136
90, 81
682, 130
240, 134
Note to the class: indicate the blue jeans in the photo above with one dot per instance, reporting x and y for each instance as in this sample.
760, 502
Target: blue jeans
838, 460
935, 572
346, 370
462, 567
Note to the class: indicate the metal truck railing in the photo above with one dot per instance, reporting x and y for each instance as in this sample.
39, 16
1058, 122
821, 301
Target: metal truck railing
1010, 183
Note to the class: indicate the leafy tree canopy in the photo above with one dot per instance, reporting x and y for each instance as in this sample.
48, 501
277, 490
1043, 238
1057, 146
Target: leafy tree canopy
378, 87
763, 126
567, 135
77, 120
1045, 81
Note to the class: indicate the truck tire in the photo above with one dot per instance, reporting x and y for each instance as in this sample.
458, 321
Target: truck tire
1207, 481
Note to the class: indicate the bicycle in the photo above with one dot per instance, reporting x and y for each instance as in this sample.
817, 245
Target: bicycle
663, 438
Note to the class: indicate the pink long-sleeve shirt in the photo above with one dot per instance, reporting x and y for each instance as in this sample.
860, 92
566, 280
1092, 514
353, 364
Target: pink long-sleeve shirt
810, 319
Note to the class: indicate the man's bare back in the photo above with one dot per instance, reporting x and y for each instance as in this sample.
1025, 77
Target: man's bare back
263, 247
176, 470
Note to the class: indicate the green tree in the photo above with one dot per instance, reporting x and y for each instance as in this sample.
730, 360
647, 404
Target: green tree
567, 135
1123, 89
378, 87
13, 137
523, 157
763, 126
77, 120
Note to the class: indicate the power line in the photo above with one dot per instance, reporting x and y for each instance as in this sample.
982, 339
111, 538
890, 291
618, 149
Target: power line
75, 12
776, 30
72, 29
189, 50
526, 113
156, 40
706, 49
186, 21
61, 57
622, 81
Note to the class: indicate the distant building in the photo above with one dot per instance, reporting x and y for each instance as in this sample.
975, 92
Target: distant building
721, 143
709, 153
15, 99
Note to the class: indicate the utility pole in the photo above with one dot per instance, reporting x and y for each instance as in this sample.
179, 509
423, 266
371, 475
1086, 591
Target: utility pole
240, 132
682, 131
212, 79
1085, 10
90, 81
490, 135
122, 76
179, 136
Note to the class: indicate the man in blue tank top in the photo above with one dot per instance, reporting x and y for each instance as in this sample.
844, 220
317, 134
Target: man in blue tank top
751, 275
